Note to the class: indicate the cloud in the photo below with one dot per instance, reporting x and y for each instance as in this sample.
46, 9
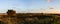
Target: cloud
48, 1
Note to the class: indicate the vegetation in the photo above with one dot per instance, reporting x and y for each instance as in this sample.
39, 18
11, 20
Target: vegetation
41, 18
30, 18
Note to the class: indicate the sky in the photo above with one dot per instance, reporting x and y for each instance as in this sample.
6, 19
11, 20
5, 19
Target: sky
30, 6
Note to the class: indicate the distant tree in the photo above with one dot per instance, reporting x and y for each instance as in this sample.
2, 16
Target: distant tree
11, 12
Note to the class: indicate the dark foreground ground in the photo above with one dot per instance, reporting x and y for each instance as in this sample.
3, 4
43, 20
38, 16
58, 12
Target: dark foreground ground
30, 18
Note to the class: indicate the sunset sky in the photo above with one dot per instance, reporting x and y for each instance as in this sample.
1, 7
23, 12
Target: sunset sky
30, 6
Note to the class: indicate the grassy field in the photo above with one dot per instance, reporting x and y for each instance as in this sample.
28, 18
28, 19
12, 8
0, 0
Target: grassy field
44, 18
35, 18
